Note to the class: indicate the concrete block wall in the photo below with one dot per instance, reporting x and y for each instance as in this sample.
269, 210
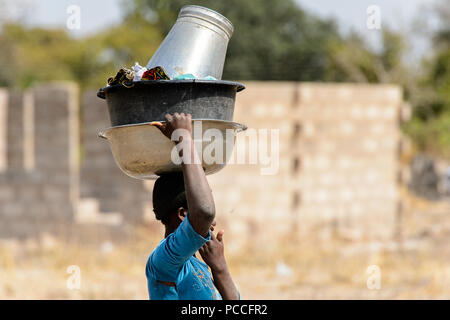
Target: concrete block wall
101, 178
14, 131
3, 128
37, 182
350, 149
258, 207
338, 163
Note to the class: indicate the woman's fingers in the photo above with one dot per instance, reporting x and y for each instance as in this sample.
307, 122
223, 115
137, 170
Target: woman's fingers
158, 124
168, 117
220, 235
203, 249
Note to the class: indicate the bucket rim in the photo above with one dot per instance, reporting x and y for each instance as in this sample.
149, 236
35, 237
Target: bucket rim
233, 125
210, 15
239, 86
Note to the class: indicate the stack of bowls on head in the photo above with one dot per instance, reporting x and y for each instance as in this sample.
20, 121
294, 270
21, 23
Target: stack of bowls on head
196, 45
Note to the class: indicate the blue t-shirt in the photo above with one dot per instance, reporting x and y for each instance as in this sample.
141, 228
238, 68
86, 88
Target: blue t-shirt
173, 261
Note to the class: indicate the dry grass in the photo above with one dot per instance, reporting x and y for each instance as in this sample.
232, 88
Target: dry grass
416, 268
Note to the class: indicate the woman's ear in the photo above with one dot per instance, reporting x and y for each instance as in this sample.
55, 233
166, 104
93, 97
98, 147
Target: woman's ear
181, 213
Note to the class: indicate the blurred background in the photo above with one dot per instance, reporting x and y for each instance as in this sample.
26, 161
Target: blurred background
360, 94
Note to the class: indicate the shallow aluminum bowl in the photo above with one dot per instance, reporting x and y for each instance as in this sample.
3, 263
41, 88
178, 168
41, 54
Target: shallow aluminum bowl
141, 151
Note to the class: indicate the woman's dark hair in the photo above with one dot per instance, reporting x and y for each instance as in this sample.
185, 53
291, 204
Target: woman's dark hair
168, 195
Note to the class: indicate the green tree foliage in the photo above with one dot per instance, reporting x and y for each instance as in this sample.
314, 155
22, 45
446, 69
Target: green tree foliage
121, 46
27, 55
353, 60
30, 55
430, 124
273, 39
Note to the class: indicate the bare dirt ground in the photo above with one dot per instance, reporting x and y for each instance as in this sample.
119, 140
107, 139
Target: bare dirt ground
415, 267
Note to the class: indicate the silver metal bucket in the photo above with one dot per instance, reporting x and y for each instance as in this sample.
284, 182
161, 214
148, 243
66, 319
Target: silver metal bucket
196, 44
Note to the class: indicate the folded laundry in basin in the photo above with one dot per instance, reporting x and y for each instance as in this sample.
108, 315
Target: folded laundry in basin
138, 71
186, 76
156, 73
208, 78
124, 77
189, 76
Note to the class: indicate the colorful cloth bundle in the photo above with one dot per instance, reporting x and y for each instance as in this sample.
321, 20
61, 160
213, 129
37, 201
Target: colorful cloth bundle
124, 77
156, 73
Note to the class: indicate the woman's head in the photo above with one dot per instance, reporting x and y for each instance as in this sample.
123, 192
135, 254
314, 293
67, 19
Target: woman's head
169, 196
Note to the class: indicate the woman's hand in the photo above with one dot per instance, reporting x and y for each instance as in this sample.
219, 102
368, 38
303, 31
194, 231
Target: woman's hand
174, 122
178, 128
212, 253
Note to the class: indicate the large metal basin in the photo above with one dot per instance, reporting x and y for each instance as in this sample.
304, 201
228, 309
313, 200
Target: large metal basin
141, 151
150, 101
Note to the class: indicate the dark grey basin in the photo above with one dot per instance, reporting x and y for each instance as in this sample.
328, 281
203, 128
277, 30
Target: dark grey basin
149, 101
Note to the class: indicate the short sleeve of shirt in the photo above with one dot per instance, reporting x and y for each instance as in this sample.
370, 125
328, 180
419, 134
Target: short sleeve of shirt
172, 252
